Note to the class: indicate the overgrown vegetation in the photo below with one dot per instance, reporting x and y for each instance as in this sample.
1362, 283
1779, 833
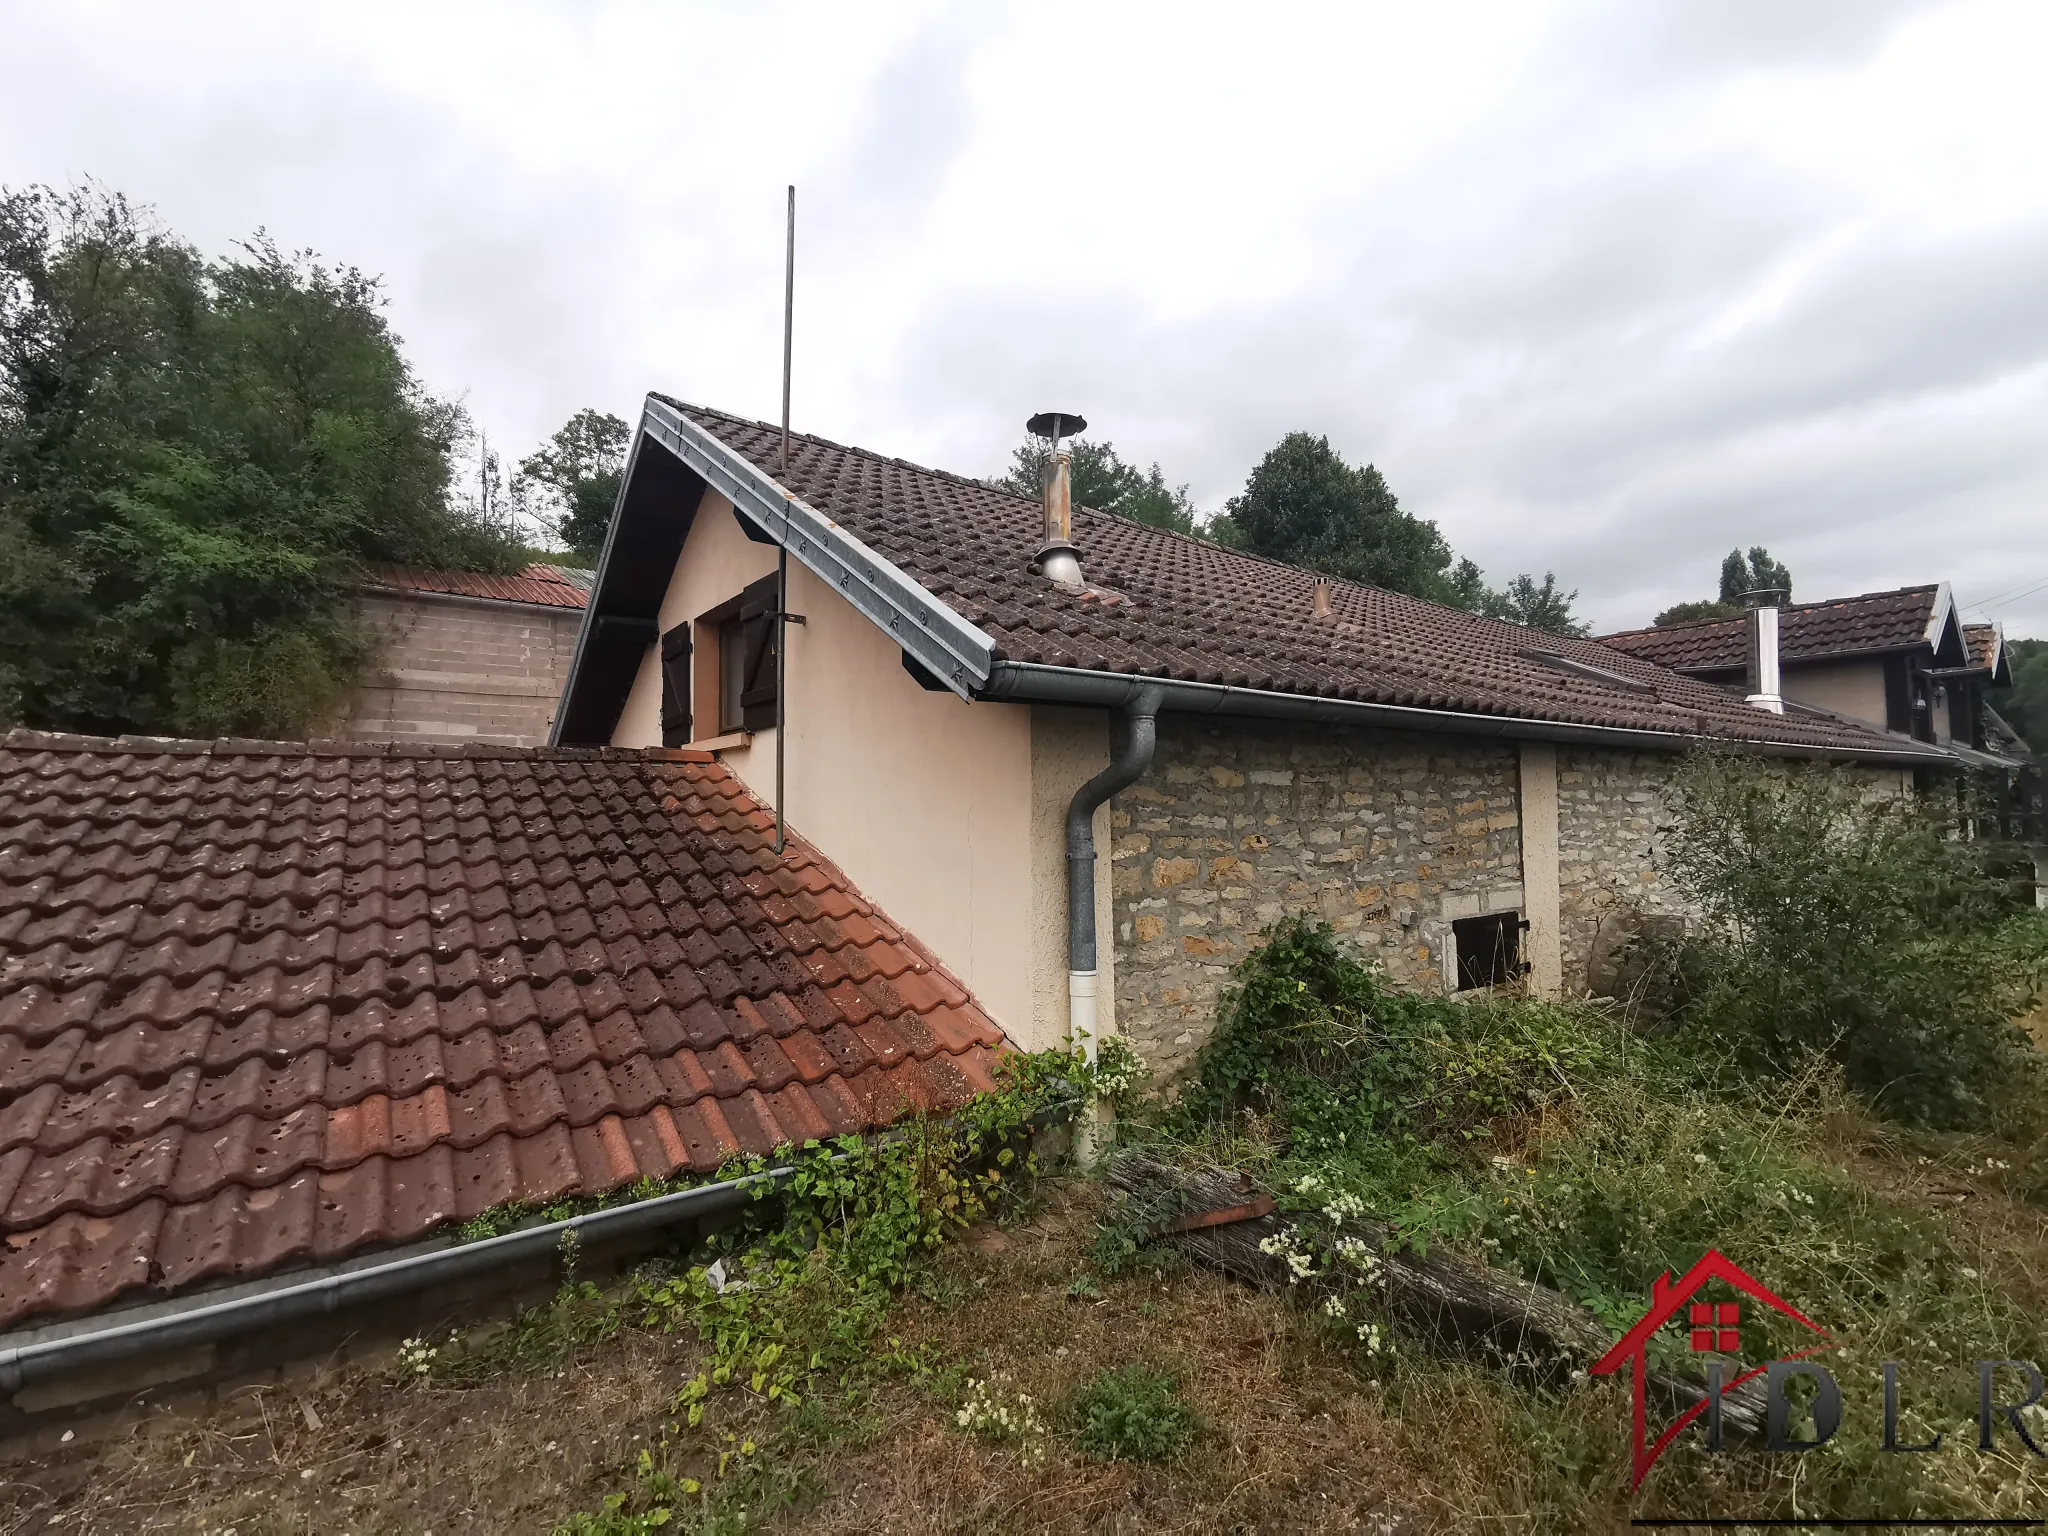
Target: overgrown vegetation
1845, 1049
195, 456
1853, 924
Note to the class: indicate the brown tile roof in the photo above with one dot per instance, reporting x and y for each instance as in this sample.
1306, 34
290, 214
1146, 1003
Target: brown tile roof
554, 586
1182, 608
1984, 642
263, 1004
1843, 626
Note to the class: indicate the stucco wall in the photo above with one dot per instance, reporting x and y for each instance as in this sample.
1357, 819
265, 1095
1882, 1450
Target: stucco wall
1387, 835
1852, 688
924, 800
456, 670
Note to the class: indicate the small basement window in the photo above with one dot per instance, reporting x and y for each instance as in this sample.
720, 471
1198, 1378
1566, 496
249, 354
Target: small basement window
1489, 949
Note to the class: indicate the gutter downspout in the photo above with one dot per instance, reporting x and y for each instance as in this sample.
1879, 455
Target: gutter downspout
1127, 764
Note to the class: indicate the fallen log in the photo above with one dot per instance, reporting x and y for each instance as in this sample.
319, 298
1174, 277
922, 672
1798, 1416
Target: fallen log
1454, 1300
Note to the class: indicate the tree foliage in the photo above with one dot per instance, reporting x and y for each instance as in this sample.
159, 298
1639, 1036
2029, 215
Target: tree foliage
1103, 482
577, 474
2024, 706
1741, 574
1306, 506
1755, 572
195, 457
1705, 611
1533, 604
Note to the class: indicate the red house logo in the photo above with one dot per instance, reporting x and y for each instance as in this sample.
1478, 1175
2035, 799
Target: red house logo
1716, 1328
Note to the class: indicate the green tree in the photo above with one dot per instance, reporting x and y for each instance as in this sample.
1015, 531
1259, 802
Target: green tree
1756, 572
1304, 505
195, 459
1537, 605
1703, 612
577, 472
1103, 482
2024, 705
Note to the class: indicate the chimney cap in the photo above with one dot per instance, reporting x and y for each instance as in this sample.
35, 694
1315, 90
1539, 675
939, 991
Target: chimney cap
1056, 424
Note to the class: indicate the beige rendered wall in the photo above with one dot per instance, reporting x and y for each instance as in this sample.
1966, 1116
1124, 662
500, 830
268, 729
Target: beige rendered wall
926, 801
456, 669
1852, 688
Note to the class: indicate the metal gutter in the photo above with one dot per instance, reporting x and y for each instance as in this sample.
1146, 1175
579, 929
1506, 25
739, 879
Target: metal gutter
207, 1323
1035, 682
953, 650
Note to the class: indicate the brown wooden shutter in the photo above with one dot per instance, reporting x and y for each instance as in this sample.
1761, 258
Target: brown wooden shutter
675, 687
757, 648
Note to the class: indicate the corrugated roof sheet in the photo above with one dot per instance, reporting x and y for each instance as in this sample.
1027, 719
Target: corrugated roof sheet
553, 586
1178, 607
1842, 626
263, 1004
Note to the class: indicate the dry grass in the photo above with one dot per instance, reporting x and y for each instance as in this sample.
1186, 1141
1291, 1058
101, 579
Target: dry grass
1297, 1436
1295, 1439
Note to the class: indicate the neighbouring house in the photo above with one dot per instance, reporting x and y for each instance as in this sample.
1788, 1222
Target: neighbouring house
271, 1007
1902, 660
466, 656
1465, 799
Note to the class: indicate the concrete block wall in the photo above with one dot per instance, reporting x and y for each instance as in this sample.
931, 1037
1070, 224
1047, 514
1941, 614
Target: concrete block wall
455, 670
1387, 835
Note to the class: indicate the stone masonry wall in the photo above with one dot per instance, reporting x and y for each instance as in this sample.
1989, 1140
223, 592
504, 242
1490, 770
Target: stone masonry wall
1616, 813
1385, 834
457, 670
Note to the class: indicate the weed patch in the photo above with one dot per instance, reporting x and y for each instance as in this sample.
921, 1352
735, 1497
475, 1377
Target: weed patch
1134, 1414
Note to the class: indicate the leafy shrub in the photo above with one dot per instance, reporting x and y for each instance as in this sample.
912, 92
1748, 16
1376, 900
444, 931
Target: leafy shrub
1849, 923
1134, 1414
1312, 1035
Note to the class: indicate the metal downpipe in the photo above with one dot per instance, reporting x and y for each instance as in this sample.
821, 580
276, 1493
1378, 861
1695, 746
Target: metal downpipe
1128, 762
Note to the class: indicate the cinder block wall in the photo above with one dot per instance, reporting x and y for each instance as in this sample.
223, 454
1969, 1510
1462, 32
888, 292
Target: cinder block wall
1388, 835
456, 670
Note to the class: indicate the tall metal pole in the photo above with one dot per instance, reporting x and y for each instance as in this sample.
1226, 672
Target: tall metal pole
782, 552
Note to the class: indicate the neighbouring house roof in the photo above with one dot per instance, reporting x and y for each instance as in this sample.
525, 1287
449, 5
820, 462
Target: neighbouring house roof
903, 541
1867, 624
553, 586
1986, 645
264, 1004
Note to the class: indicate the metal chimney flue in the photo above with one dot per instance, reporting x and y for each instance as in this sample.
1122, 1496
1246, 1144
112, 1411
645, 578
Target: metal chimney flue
1764, 688
1057, 559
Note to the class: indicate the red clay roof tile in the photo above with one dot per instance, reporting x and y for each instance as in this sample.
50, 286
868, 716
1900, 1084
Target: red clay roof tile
277, 1004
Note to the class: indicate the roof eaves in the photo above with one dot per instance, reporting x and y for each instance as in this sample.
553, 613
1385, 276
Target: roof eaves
1025, 680
949, 647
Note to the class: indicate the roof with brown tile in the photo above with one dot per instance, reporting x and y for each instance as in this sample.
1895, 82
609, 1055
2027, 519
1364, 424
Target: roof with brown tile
1986, 645
552, 586
263, 1004
1844, 626
1166, 605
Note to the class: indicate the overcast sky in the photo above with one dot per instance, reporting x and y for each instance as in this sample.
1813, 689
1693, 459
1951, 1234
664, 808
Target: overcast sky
1604, 288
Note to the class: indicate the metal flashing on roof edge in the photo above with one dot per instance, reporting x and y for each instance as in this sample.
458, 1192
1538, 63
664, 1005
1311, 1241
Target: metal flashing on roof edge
56, 1352
1034, 681
952, 649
